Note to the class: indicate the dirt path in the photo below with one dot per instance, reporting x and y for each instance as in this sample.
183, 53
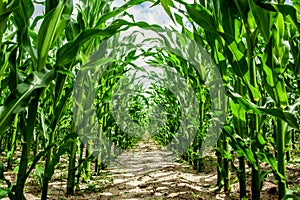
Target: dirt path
148, 172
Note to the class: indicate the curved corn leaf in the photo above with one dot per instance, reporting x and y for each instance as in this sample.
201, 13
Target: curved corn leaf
276, 112
288, 11
239, 144
15, 101
68, 52
117, 11
202, 16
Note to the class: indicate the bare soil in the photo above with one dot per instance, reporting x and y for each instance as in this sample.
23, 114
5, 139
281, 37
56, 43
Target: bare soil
150, 172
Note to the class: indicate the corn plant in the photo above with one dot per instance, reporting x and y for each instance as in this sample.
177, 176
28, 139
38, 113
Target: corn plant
39, 66
233, 32
254, 43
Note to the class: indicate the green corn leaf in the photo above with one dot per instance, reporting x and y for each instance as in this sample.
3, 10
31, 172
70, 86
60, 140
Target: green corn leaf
283, 115
60, 108
262, 156
65, 71
272, 161
23, 14
261, 138
203, 17
107, 96
255, 91
247, 105
179, 19
276, 112
263, 20
13, 75
64, 20
239, 145
68, 52
250, 155
6, 10
51, 28
166, 4
229, 21
235, 56
289, 12
268, 76
281, 93
50, 5
239, 115
4, 192
40, 174
263, 175
17, 100
112, 14
55, 160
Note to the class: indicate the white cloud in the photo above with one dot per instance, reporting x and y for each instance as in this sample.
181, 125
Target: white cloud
144, 12
289, 2
154, 15
157, 15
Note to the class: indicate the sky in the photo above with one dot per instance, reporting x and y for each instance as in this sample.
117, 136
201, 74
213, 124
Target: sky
143, 12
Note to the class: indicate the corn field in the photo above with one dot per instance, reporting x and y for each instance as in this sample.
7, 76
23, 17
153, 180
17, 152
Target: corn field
254, 44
